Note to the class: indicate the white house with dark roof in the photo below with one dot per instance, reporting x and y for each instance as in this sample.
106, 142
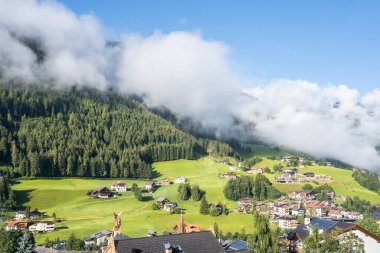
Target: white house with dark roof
180, 180
119, 187
98, 238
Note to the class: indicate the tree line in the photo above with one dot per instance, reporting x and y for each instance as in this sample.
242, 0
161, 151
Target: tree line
45, 132
7, 196
258, 188
367, 179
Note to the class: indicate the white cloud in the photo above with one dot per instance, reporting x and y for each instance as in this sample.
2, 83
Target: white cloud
328, 122
182, 71
74, 46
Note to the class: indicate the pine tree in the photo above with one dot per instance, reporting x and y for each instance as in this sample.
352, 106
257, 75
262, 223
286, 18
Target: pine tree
138, 195
261, 240
184, 192
196, 193
204, 208
14, 154
263, 193
70, 242
26, 244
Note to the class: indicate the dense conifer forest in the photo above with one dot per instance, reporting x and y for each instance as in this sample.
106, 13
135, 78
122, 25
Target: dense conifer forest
46, 132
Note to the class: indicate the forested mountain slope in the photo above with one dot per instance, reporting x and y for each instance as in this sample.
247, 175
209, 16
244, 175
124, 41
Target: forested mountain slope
88, 133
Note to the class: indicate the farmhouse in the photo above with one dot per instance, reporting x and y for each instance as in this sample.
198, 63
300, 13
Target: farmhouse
33, 215
316, 210
180, 180
287, 159
302, 195
255, 171
16, 225
230, 175
97, 238
149, 186
335, 214
287, 222
308, 174
322, 177
281, 209
42, 227
297, 211
351, 215
162, 201
287, 176
119, 187
245, 205
165, 181
170, 206
101, 192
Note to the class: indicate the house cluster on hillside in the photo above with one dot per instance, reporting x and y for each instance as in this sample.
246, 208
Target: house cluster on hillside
33, 221
286, 211
292, 175
104, 192
35, 227
21, 215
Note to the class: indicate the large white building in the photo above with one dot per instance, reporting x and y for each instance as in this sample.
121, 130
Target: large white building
42, 227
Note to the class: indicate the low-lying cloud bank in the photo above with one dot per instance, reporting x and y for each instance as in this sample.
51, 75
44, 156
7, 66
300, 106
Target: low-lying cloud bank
192, 77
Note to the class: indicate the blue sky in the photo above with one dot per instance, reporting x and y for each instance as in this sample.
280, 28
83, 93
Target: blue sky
334, 42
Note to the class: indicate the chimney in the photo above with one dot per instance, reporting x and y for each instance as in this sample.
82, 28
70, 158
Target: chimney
168, 247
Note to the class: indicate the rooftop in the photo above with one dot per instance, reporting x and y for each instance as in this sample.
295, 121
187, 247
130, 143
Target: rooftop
196, 242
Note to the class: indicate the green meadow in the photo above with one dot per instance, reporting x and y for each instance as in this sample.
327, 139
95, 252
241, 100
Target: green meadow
67, 198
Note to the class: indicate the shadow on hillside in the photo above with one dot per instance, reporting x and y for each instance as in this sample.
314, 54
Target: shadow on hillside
61, 228
22, 197
14, 182
155, 174
147, 198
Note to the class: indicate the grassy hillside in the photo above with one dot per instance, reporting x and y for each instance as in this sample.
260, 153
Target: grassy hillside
67, 198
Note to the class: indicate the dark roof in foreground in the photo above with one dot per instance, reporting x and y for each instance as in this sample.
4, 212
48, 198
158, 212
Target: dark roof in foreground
302, 231
196, 242
238, 246
40, 249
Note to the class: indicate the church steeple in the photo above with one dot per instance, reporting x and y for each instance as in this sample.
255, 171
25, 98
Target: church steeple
110, 248
181, 227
